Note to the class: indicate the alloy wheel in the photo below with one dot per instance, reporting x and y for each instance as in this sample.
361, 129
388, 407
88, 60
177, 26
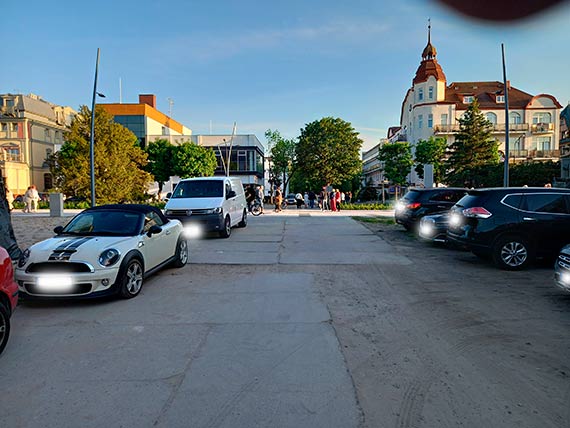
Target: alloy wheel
514, 254
134, 278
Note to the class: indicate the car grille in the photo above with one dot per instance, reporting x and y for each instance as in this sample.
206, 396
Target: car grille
75, 289
564, 261
59, 267
181, 213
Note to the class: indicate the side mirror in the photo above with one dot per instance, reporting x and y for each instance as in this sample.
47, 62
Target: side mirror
168, 195
58, 229
231, 194
154, 230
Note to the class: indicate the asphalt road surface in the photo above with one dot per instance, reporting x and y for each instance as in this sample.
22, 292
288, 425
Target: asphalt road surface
301, 320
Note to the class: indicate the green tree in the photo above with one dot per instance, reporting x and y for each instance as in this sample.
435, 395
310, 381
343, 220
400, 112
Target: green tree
473, 147
160, 161
282, 152
119, 160
192, 160
397, 158
328, 151
432, 151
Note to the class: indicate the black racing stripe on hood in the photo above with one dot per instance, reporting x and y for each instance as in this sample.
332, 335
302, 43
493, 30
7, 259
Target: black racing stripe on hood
65, 250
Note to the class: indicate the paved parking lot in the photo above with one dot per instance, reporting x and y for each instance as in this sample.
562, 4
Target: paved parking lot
301, 320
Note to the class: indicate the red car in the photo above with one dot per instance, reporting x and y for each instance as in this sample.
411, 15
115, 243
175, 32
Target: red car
8, 296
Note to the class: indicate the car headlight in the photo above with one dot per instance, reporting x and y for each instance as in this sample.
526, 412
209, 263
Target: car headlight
217, 210
168, 212
24, 258
109, 257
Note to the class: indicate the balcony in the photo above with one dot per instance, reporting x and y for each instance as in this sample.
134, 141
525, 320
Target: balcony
544, 154
541, 128
513, 127
445, 129
518, 154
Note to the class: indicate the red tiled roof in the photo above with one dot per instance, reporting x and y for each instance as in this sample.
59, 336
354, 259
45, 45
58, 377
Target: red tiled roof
485, 93
429, 67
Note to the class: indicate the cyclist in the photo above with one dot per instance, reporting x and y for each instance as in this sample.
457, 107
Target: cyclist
259, 197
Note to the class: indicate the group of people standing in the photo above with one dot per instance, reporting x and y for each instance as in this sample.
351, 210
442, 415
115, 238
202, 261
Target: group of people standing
333, 199
31, 199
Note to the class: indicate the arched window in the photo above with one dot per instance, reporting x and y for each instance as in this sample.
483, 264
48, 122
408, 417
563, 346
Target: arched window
515, 118
491, 117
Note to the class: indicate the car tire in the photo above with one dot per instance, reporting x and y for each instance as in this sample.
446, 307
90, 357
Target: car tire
4, 326
227, 230
181, 255
131, 278
512, 252
243, 222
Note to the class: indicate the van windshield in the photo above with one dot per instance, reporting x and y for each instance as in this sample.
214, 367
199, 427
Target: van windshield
199, 189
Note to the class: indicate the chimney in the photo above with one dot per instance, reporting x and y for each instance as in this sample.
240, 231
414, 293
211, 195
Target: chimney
149, 99
508, 84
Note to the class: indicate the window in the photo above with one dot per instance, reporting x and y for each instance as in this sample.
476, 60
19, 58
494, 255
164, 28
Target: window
430, 121
242, 161
447, 196
10, 102
4, 127
541, 118
15, 127
546, 203
47, 135
430, 93
515, 118
443, 120
468, 99
542, 143
420, 121
164, 130
151, 219
492, 118
420, 94
513, 201
500, 98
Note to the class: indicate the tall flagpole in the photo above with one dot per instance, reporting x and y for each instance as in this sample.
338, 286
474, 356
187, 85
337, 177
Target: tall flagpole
92, 142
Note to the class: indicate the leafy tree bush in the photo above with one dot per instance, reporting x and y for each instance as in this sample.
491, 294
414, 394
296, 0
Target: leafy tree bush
119, 160
397, 158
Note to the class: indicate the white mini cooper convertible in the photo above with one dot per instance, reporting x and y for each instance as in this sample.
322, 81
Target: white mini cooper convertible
103, 250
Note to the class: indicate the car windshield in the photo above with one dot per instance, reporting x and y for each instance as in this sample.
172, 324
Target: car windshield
199, 189
105, 223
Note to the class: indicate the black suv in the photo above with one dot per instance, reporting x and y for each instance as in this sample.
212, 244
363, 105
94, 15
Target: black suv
512, 225
420, 202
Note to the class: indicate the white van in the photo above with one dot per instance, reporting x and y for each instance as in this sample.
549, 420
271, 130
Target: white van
212, 203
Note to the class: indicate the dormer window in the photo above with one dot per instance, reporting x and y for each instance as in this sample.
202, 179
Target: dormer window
468, 99
500, 98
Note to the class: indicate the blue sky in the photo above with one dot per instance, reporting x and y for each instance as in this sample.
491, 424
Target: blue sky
264, 64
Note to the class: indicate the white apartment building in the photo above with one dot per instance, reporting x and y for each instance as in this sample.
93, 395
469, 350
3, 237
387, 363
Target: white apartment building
432, 107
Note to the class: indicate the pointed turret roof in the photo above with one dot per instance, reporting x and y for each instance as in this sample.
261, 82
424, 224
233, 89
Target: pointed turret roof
429, 65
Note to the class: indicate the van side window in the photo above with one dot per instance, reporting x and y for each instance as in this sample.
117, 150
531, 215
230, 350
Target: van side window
547, 203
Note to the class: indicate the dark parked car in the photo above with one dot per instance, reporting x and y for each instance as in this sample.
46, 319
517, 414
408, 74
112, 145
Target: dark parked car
421, 202
290, 199
434, 227
562, 269
512, 225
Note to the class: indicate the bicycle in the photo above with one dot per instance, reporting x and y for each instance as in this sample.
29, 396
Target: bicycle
255, 208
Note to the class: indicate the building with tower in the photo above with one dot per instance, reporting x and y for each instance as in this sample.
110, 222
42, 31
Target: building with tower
432, 107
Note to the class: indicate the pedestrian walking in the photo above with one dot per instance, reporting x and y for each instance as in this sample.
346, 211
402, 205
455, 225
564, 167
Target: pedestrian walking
9, 199
332, 200
278, 199
299, 200
306, 199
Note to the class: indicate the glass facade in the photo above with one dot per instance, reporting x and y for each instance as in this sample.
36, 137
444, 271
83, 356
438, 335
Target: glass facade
134, 123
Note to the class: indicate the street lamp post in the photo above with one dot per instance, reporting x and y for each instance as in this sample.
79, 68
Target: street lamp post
92, 140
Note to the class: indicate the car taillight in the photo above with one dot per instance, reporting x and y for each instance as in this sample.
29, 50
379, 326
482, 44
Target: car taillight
476, 212
413, 205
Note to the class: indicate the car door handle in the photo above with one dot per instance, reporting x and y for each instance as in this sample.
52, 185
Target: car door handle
168, 232
528, 219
